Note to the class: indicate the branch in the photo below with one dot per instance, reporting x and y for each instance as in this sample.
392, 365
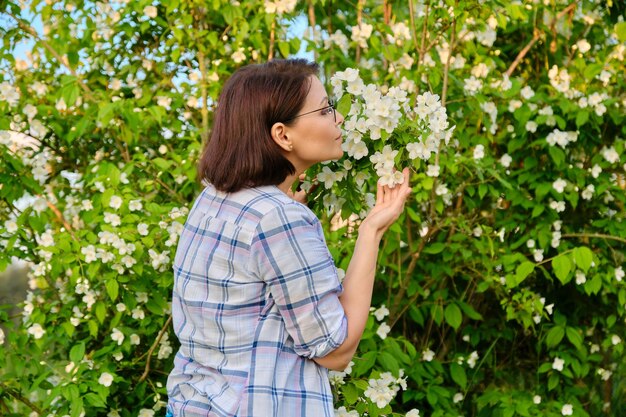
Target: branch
146, 371
523, 52
596, 235
270, 54
61, 219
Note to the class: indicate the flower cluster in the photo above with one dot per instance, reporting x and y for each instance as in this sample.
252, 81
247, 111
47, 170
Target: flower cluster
376, 115
384, 389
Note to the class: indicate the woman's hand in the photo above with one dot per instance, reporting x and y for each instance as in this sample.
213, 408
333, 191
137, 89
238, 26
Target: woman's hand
389, 206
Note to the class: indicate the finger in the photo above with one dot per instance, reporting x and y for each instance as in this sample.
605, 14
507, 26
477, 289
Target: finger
300, 196
379, 193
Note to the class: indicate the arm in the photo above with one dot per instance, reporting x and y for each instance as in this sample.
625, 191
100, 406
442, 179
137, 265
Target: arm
359, 281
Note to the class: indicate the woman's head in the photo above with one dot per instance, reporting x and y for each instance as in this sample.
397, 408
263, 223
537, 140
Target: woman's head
260, 129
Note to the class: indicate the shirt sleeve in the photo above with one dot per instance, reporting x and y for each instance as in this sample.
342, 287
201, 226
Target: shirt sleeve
290, 255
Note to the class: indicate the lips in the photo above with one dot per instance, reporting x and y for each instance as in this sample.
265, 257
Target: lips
338, 137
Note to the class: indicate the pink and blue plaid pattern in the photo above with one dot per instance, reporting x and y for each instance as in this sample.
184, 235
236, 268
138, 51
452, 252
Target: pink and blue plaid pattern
255, 299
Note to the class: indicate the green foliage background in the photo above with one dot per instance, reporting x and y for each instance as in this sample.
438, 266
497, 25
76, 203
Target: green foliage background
457, 273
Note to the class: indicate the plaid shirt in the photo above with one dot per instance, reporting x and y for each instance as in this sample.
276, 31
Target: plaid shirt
255, 299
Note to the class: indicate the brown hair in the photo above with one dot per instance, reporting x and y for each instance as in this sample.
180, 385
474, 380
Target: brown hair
241, 152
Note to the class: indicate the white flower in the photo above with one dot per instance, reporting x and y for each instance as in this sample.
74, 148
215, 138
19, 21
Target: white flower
479, 152
121, 307
458, 397
150, 11
134, 339
89, 252
381, 313
537, 399
36, 330
580, 277
471, 361
615, 340
383, 330
432, 170
413, 413
538, 255
142, 229
9, 94
117, 336
105, 379
583, 46
238, 56
567, 410
46, 239
558, 206
327, 176
342, 412
112, 219
115, 202
30, 111
138, 313
527, 92
164, 101
145, 412
610, 154
135, 205
619, 273
595, 171
506, 160
1, 337
558, 364
531, 126
428, 355
361, 33
559, 185
587, 193
10, 226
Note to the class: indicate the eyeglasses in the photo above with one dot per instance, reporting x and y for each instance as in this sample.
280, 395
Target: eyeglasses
325, 110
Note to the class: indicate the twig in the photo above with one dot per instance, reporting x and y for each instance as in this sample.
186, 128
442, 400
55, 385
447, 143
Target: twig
146, 371
61, 219
270, 54
596, 235
523, 52
446, 68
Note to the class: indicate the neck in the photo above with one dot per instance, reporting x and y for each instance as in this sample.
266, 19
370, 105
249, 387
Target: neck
286, 185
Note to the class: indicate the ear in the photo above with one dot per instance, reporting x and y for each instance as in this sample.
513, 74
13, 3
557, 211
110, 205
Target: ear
280, 137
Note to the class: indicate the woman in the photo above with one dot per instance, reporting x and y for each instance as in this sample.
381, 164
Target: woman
258, 308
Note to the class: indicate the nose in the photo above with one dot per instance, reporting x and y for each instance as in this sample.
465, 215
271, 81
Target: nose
339, 118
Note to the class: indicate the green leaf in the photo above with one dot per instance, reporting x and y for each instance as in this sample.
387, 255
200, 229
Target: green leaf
557, 155
453, 315
350, 393
620, 30
562, 267
435, 248
283, 47
523, 271
344, 104
554, 337
553, 381
583, 257
100, 311
94, 400
458, 374
581, 118
575, 337
77, 353
112, 289
388, 362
